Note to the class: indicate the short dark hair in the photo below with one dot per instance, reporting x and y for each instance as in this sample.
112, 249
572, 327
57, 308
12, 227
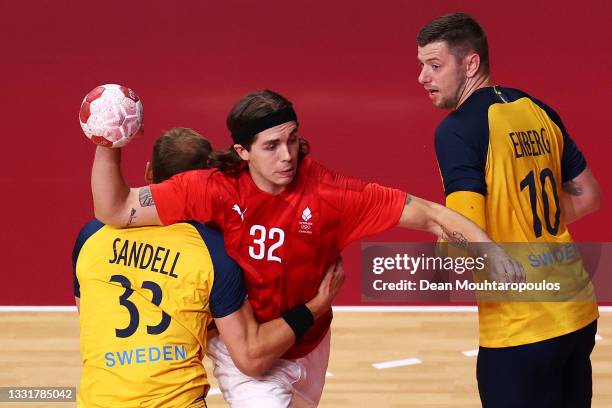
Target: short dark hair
462, 34
177, 150
249, 108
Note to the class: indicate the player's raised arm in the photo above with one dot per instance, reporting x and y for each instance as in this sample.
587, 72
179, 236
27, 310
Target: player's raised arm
580, 196
115, 203
255, 347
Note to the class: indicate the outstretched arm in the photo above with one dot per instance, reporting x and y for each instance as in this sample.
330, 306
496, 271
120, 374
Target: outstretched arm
115, 203
447, 224
458, 230
255, 347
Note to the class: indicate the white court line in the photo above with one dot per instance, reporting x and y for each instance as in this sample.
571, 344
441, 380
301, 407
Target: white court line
38, 309
598, 337
397, 363
358, 309
397, 309
425, 309
470, 353
213, 391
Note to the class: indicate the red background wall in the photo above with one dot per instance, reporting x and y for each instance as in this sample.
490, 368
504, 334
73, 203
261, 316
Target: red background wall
349, 67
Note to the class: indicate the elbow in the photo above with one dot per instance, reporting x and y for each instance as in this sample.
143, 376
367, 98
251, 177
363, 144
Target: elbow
107, 217
253, 361
591, 204
101, 215
251, 366
584, 207
596, 201
593, 198
253, 369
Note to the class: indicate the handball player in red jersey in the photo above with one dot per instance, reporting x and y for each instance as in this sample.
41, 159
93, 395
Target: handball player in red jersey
284, 218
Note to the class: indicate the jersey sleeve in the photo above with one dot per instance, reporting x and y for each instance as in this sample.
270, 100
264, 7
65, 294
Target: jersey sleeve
365, 208
573, 161
461, 161
186, 196
87, 231
228, 292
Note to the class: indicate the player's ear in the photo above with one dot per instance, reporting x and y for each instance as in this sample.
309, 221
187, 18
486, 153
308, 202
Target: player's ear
472, 62
242, 152
148, 176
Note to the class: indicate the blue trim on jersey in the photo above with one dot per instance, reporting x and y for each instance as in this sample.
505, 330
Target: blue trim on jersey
87, 231
228, 292
573, 161
462, 142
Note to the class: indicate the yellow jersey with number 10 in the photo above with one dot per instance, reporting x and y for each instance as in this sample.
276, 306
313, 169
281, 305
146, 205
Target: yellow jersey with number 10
515, 151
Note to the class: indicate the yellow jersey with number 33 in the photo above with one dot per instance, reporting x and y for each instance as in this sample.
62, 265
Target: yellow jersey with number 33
515, 151
147, 296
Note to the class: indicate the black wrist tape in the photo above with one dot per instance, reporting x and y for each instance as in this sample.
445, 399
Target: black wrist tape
300, 319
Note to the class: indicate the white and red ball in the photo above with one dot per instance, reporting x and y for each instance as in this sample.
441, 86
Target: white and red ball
111, 115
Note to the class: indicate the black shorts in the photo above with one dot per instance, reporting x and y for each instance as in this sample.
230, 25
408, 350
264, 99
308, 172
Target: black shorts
553, 373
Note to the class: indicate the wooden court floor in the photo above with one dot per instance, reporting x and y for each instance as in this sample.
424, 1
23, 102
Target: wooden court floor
42, 349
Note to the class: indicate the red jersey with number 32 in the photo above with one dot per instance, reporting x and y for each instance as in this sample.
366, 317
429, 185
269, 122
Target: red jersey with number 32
284, 242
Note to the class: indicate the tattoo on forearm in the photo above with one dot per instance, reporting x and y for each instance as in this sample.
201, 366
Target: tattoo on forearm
408, 200
132, 218
572, 188
454, 237
145, 197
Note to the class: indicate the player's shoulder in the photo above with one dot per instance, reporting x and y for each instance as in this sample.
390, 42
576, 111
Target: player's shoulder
326, 180
307, 164
211, 237
214, 181
513, 94
203, 176
313, 168
86, 232
317, 171
312, 172
89, 229
516, 94
469, 123
197, 175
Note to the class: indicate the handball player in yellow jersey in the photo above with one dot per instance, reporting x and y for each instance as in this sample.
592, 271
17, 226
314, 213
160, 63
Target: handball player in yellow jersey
508, 163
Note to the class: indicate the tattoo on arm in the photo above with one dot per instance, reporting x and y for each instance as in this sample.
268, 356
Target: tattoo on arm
454, 237
408, 200
132, 218
572, 188
145, 197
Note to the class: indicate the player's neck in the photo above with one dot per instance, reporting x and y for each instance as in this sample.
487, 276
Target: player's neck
472, 85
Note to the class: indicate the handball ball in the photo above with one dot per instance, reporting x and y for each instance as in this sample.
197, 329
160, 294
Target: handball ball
111, 115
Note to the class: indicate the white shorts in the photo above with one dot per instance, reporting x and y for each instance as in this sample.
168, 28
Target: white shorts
288, 383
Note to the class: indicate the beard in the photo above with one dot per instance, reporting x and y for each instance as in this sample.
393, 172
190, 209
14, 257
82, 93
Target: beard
451, 101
